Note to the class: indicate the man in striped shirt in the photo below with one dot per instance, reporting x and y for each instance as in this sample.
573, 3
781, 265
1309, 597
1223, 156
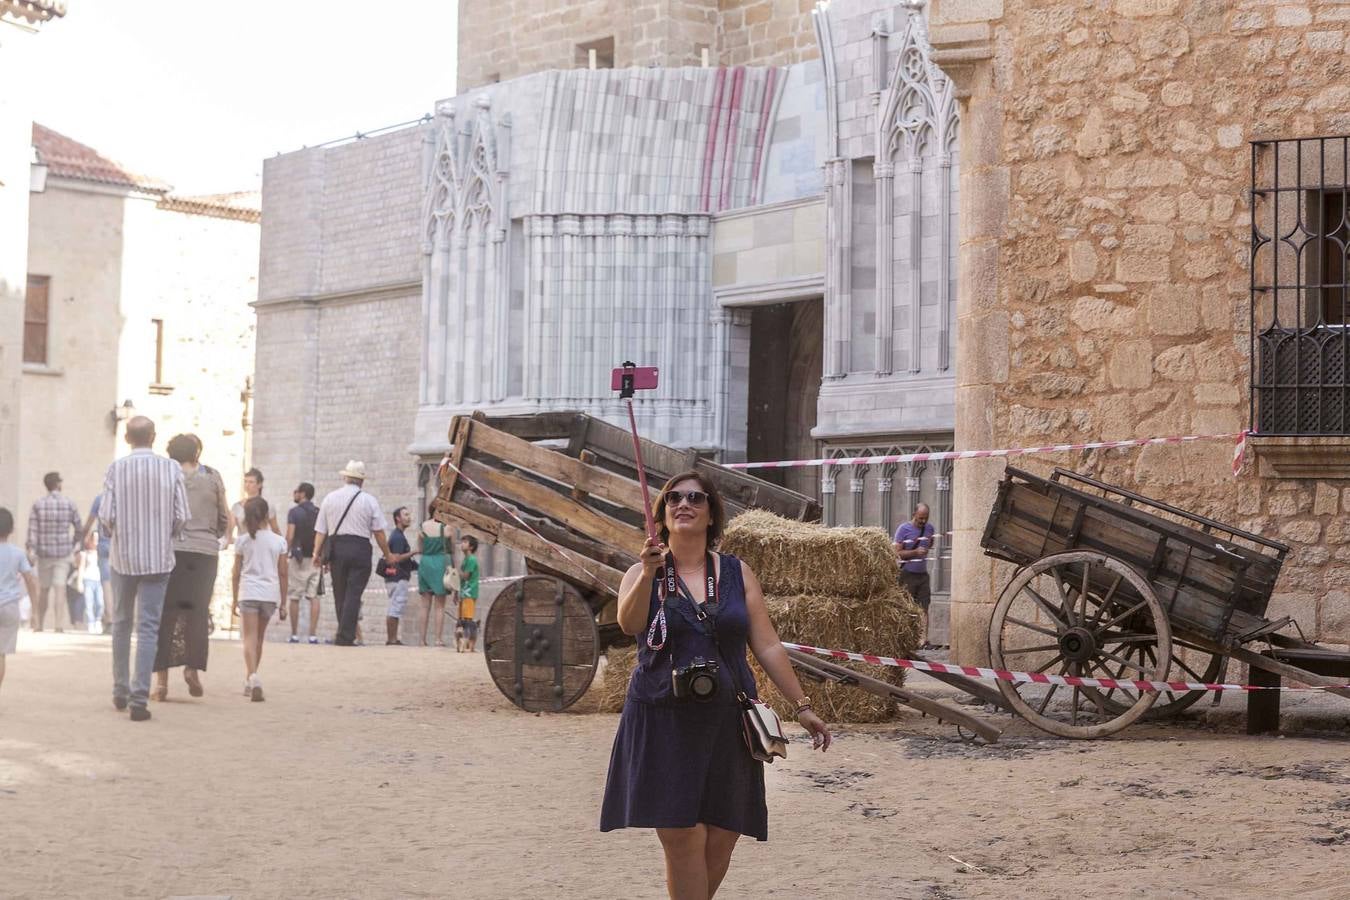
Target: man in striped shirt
144, 508
54, 534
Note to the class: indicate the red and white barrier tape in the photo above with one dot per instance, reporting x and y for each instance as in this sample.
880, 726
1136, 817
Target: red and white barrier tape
1040, 677
1239, 451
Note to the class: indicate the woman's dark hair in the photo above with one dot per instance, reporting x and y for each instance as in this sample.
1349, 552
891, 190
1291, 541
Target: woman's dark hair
717, 516
431, 510
255, 515
255, 475
6, 522
184, 448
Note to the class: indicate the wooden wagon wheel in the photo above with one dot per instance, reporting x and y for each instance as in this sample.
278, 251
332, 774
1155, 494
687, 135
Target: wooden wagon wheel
1076, 613
1190, 662
541, 643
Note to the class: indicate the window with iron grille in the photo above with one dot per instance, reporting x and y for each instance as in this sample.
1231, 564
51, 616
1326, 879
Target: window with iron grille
1300, 295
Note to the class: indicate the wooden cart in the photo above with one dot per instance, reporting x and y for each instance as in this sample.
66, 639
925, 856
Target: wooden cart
560, 489
1113, 584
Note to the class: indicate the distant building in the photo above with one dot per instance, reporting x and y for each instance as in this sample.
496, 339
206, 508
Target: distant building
137, 303
20, 23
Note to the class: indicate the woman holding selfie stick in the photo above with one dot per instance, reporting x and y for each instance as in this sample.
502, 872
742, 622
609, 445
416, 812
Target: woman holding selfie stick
680, 764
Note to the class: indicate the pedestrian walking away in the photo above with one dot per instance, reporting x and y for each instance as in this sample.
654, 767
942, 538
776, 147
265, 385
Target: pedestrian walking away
349, 518
303, 577
16, 574
466, 627
913, 540
91, 578
104, 544
144, 509
397, 574
258, 585
55, 535
435, 561
679, 763
185, 627
253, 486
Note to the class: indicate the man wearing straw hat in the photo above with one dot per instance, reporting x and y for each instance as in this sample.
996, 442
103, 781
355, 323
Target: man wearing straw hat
348, 518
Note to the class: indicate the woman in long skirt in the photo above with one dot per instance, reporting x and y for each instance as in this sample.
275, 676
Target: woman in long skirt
185, 623
679, 763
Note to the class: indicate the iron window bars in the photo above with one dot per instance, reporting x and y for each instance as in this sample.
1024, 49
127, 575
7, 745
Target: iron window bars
1300, 307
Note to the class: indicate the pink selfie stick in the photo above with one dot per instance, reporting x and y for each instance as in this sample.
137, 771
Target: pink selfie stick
629, 378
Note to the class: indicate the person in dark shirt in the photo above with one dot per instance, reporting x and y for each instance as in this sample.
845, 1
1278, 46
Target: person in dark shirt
397, 572
303, 583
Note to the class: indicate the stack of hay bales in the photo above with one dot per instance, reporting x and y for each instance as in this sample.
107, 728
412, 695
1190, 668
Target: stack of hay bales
827, 587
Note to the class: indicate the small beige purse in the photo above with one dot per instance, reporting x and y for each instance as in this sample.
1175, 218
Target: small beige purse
763, 730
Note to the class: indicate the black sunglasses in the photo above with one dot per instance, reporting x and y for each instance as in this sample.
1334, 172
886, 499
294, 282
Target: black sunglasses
695, 498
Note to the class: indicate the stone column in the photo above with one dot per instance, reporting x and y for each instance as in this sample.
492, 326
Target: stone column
885, 487
964, 37
857, 483
884, 174
827, 477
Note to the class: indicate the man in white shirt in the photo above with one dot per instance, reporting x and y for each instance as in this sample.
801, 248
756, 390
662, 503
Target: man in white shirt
348, 518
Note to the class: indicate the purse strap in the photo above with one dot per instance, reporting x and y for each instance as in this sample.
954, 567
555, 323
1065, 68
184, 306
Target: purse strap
343, 517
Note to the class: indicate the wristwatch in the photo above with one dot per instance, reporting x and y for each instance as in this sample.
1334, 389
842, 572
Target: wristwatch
804, 703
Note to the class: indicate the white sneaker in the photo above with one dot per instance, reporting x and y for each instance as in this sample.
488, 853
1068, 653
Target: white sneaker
255, 691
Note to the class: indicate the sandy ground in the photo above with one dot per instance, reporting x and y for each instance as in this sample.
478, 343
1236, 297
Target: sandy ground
401, 772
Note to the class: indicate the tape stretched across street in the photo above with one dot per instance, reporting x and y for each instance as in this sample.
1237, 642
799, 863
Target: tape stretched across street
1041, 678
1239, 439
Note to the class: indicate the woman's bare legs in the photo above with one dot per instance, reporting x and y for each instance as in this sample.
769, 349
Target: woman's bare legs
686, 852
426, 614
259, 634
440, 620
248, 627
719, 845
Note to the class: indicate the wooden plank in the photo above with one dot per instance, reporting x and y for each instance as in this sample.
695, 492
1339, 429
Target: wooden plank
610, 442
595, 576
534, 426
1333, 685
484, 511
458, 432
543, 500
487, 441
939, 710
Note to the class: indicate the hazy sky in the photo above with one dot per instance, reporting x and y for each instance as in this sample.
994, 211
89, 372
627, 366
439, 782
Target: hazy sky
199, 92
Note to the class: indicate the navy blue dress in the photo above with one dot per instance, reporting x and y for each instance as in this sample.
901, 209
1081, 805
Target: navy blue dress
677, 763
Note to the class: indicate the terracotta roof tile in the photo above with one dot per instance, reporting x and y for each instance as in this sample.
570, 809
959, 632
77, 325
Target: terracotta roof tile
67, 158
245, 206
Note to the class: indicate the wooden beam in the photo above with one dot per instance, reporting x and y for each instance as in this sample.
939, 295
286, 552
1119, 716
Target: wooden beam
485, 511
543, 500
534, 426
487, 441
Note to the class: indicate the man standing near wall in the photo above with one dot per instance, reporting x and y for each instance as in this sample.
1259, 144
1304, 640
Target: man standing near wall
348, 519
304, 575
913, 540
144, 508
55, 532
397, 575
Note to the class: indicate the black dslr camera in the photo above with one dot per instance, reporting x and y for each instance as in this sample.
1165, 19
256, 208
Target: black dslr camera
696, 681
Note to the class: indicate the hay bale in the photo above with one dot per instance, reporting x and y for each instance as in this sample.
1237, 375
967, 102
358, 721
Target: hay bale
886, 623
793, 558
613, 685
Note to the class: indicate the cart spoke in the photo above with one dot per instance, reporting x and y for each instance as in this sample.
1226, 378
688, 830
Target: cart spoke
1040, 649
1126, 662
1083, 594
1195, 676
1045, 701
1050, 611
1123, 616
1073, 708
1106, 602
1064, 604
1039, 629
1057, 658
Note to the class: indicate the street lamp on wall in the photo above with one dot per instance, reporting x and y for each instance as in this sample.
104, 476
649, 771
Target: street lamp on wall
121, 413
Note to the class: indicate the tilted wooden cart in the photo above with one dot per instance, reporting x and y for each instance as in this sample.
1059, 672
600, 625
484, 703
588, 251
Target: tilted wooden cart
1113, 584
560, 489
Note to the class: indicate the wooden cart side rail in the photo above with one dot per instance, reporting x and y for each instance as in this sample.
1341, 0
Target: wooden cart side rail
486, 441
1278, 667
588, 573
542, 500
829, 671
488, 515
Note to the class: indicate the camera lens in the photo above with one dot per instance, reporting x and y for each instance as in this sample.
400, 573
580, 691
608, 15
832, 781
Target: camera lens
703, 686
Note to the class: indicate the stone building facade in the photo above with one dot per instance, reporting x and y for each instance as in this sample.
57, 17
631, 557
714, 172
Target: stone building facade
20, 63
137, 303
556, 223
1111, 286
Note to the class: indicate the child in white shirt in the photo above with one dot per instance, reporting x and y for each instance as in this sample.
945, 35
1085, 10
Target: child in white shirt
259, 583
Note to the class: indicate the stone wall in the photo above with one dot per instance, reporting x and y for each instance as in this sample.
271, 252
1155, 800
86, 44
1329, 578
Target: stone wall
339, 323
1104, 249
502, 40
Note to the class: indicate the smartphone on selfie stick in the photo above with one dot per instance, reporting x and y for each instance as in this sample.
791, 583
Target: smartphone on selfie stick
626, 379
